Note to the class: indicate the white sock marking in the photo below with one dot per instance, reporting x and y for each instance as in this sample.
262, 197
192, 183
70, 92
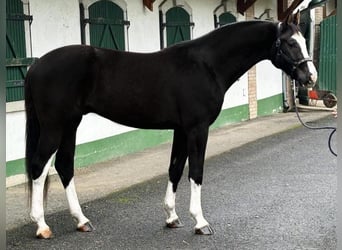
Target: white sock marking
37, 205
74, 205
195, 205
170, 204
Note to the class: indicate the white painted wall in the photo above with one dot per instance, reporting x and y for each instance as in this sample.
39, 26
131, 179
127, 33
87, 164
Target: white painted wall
15, 135
94, 127
57, 23
237, 94
269, 80
143, 32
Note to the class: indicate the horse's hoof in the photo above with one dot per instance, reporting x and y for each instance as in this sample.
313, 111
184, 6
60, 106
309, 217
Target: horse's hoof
206, 230
175, 224
44, 234
87, 227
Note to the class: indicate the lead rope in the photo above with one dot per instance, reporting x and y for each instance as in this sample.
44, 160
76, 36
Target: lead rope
314, 128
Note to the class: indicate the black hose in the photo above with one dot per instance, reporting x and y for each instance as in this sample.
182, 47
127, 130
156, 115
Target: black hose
315, 128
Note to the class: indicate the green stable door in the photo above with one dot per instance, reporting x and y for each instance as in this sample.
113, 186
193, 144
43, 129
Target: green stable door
16, 58
177, 26
106, 25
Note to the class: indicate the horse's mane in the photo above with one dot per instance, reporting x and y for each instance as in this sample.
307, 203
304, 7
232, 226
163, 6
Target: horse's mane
224, 30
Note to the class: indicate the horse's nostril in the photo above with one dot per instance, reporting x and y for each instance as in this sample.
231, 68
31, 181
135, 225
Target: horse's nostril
311, 83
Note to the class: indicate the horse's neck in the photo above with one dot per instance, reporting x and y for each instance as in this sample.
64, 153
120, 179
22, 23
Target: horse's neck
236, 49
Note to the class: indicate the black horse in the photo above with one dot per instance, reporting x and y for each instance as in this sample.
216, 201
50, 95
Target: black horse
181, 88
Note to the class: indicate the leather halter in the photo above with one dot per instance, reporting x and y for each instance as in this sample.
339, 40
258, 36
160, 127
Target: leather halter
281, 55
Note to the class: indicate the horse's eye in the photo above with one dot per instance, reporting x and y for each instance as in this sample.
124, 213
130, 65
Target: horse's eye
292, 43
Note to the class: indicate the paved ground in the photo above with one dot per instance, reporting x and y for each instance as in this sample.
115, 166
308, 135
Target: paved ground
277, 192
104, 178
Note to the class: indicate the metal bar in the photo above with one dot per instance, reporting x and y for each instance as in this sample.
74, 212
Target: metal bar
19, 62
177, 24
101, 20
216, 22
19, 17
14, 83
82, 24
161, 29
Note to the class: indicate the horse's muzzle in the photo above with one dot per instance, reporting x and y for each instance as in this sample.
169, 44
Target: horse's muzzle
312, 81
307, 82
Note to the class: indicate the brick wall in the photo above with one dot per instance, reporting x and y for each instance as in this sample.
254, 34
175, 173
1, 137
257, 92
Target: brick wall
252, 90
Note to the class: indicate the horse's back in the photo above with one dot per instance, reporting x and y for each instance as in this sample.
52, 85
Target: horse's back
60, 80
65, 64
75, 80
145, 90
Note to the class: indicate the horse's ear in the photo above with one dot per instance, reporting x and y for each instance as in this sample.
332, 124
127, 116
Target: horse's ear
296, 18
289, 19
293, 18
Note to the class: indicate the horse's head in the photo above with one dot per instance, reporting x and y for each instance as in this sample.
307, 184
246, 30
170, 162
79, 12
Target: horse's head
290, 53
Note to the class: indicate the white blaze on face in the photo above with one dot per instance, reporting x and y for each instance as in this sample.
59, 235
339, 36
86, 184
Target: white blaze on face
301, 41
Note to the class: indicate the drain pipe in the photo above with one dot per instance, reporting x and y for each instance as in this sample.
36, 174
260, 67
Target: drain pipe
286, 105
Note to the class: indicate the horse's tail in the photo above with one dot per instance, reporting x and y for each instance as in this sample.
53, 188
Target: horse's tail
32, 135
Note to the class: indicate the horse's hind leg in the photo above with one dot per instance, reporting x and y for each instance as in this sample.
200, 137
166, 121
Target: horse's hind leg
48, 143
65, 168
178, 157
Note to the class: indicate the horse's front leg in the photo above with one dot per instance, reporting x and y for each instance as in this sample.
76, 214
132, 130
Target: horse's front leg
177, 162
196, 146
172, 219
202, 226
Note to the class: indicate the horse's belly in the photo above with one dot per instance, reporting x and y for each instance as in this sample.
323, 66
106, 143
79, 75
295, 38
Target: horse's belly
139, 116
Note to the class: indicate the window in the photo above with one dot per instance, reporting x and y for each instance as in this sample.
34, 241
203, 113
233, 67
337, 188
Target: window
104, 24
175, 23
224, 18
225, 13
